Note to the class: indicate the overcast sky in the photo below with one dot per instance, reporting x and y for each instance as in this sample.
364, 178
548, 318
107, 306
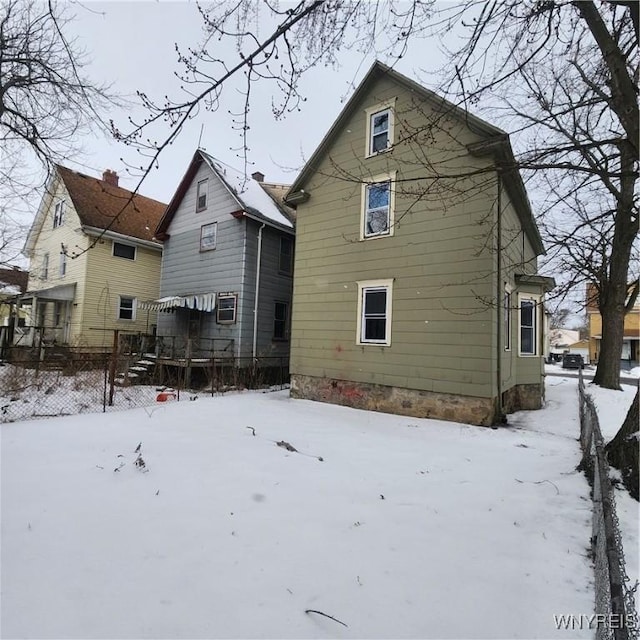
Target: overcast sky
132, 46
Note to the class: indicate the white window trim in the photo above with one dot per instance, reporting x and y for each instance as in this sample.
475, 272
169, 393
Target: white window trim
508, 330
389, 105
385, 177
63, 264
44, 272
124, 244
536, 328
134, 309
375, 284
58, 214
205, 184
235, 308
215, 242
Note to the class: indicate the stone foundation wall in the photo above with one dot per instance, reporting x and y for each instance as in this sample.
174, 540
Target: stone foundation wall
407, 402
523, 397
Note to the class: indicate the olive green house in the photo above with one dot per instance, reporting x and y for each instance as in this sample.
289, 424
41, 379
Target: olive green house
416, 288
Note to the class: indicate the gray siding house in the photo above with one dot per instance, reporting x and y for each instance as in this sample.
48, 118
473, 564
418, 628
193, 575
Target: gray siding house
227, 266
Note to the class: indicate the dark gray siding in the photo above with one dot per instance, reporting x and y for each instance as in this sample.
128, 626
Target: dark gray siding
274, 287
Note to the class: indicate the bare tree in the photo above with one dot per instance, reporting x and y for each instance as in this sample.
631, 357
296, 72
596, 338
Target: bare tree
46, 101
559, 318
563, 74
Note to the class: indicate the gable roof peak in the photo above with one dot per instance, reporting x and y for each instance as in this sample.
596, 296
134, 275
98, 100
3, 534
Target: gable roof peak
252, 196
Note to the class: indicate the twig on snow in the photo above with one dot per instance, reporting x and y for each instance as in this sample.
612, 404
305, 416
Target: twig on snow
539, 482
326, 615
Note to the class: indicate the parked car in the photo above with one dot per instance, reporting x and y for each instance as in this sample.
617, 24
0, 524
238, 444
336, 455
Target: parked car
572, 361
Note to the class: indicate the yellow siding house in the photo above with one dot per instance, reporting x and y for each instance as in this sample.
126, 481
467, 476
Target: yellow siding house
93, 259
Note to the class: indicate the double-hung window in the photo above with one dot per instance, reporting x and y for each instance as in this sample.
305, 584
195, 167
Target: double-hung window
379, 128
374, 312
285, 261
378, 204
208, 236
528, 326
58, 214
126, 308
63, 264
280, 321
201, 195
44, 273
226, 308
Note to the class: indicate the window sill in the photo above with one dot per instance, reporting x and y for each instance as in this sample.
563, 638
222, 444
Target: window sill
378, 236
379, 153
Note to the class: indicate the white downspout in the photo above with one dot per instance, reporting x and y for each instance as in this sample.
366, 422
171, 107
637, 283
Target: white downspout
255, 305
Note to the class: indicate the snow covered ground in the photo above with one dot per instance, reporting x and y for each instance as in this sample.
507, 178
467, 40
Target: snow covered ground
405, 528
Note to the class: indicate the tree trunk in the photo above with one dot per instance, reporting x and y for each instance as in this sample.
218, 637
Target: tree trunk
622, 451
612, 311
613, 289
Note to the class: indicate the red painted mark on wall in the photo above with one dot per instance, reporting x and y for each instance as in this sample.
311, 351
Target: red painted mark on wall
351, 392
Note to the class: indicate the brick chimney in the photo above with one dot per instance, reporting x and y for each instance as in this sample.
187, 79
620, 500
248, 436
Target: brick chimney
110, 177
257, 176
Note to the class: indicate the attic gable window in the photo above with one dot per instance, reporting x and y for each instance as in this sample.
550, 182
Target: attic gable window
201, 195
58, 214
121, 250
44, 271
380, 125
377, 209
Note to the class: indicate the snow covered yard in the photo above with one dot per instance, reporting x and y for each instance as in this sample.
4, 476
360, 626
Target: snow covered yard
406, 528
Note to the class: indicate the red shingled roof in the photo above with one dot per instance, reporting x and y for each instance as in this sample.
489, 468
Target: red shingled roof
14, 277
104, 206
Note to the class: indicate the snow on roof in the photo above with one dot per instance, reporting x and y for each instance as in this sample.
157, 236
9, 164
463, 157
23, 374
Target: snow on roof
9, 289
249, 192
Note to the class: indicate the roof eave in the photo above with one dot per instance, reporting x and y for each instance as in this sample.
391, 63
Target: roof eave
34, 231
244, 213
179, 194
378, 69
500, 148
546, 282
113, 235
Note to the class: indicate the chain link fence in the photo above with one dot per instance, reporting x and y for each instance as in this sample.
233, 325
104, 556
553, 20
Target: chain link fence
615, 597
50, 381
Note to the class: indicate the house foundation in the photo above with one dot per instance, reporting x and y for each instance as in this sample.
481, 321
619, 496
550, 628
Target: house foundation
406, 402
523, 397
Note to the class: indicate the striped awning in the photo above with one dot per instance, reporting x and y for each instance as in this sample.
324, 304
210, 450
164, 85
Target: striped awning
197, 301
